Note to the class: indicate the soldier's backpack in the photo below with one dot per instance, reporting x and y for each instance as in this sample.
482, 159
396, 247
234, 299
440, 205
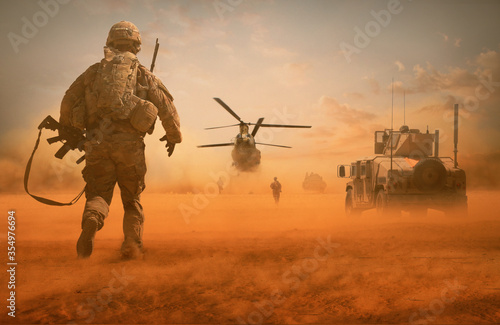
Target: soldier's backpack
115, 84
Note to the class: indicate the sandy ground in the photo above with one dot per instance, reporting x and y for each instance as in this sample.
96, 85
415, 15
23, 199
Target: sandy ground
240, 259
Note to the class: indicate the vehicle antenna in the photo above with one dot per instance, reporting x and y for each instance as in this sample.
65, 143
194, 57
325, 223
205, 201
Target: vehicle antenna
404, 107
455, 133
392, 118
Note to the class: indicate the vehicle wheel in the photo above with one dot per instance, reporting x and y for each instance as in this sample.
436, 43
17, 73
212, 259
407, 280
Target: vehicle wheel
382, 207
350, 210
429, 175
418, 212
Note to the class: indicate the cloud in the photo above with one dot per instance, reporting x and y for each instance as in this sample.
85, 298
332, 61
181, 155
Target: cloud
354, 95
224, 48
489, 59
261, 40
98, 7
430, 79
455, 80
294, 73
444, 36
261, 44
400, 66
184, 26
439, 107
374, 85
343, 112
397, 86
458, 42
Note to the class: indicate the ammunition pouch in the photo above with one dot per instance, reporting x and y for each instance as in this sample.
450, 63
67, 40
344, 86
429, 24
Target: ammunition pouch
143, 115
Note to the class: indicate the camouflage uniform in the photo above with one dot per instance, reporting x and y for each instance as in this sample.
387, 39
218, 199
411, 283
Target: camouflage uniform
115, 149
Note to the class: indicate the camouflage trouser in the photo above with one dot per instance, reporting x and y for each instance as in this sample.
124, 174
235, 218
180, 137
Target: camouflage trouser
117, 159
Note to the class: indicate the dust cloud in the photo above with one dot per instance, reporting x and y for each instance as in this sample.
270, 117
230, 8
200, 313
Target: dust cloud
237, 257
240, 258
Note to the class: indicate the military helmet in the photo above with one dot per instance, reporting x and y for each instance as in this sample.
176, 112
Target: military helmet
123, 31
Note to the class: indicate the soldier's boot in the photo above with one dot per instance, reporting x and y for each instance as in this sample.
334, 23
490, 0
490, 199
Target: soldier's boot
133, 221
131, 249
85, 243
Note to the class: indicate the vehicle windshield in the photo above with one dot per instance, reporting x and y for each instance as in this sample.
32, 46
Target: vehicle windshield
394, 142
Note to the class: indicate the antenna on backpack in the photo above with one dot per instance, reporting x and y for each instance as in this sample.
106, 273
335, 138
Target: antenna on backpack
157, 46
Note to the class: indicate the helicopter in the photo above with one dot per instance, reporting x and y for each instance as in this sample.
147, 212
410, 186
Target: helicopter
245, 155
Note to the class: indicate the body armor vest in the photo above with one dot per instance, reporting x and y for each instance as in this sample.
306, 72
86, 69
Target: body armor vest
115, 84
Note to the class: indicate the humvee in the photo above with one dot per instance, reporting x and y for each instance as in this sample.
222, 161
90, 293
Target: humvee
314, 183
406, 174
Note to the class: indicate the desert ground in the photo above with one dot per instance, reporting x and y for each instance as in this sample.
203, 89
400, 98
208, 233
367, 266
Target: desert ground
240, 259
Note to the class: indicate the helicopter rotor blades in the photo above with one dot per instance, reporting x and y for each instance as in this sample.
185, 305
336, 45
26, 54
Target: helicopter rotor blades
257, 126
216, 145
272, 145
227, 108
220, 127
285, 126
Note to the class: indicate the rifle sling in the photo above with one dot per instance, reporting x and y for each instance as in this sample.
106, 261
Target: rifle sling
38, 198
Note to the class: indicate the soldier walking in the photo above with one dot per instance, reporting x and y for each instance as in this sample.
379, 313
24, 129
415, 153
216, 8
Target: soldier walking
116, 102
220, 185
276, 187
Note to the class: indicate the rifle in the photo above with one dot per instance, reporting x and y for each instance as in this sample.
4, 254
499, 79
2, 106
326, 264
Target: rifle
72, 138
157, 46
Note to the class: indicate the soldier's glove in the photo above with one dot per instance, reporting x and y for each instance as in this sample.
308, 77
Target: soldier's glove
170, 146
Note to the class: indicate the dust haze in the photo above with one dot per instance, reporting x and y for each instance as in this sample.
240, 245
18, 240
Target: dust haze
239, 258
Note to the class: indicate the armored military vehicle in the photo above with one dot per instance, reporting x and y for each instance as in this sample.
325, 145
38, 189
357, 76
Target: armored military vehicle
313, 183
406, 174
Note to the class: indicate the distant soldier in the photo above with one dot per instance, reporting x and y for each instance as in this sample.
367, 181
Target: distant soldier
276, 187
220, 184
116, 101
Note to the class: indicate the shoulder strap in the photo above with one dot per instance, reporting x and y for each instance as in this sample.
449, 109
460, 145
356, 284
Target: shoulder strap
38, 198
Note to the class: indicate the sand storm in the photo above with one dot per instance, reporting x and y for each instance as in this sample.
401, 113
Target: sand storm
300, 262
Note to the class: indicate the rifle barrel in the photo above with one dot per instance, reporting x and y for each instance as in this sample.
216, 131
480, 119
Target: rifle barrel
54, 139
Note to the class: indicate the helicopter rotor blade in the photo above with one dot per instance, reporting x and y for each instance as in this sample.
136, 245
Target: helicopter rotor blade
227, 108
272, 145
216, 145
285, 126
220, 127
257, 126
